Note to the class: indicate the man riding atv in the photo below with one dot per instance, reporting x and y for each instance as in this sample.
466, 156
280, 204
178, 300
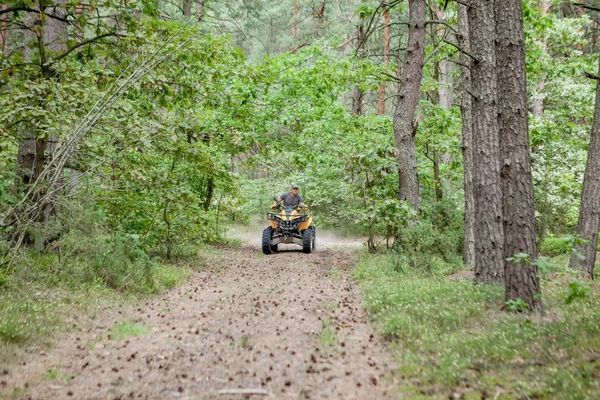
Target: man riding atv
291, 199
288, 225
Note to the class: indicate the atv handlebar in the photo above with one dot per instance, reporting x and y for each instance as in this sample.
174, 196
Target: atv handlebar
277, 206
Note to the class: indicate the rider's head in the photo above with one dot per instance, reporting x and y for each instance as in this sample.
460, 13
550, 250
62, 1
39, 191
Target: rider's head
295, 189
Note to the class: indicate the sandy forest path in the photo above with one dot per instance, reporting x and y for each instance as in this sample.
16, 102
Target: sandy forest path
289, 325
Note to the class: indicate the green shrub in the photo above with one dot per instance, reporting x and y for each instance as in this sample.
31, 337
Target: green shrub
556, 246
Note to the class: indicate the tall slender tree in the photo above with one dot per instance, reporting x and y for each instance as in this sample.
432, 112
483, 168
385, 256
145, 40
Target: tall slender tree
386, 57
589, 211
467, 136
520, 274
489, 243
405, 127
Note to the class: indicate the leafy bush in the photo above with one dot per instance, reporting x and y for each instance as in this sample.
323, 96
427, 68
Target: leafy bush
432, 244
556, 246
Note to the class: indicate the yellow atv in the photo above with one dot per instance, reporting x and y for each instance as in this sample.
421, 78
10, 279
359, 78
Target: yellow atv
289, 226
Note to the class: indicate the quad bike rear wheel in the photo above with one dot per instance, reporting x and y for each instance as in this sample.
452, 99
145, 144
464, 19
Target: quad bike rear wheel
266, 241
308, 240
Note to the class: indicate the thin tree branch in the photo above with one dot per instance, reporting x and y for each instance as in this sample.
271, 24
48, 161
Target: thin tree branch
85, 42
592, 76
391, 76
447, 25
298, 48
460, 49
587, 6
33, 10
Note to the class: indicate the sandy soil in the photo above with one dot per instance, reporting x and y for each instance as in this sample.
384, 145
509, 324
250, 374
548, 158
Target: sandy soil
288, 325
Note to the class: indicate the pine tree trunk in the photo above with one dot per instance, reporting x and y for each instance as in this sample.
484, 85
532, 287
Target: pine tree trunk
200, 10
4, 31
521, 279
467, 138
320, 14
408, 99
589, 211
296, 9
187, 8
386, 58
357, 98
538, 99
55, 30
209, 193
489, 237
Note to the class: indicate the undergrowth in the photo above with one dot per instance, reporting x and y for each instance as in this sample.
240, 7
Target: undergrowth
92, 262
452, 339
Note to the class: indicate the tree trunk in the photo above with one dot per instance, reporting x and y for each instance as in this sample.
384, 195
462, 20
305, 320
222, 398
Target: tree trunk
357, 101
489, 243
521, 278
296, 9
320, 14
386, 58
209, 193
4, 31
200, 10
187, 8
589, 211
538, 98
357, 98
405, 127
55, 30
467, 137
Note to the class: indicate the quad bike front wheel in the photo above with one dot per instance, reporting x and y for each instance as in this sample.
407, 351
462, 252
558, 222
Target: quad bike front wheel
308, 240
267, 247
266, 240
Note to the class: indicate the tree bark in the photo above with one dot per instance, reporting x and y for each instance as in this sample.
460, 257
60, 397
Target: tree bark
55, 30
467, 137
357, 98
200, 10
521, 279
209, 193
4, 31
296, 9
538, 98
187, 8
408, 98
589, 211
386, 58
489, 243
320, 14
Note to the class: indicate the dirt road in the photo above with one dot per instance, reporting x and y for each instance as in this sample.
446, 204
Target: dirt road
283, 326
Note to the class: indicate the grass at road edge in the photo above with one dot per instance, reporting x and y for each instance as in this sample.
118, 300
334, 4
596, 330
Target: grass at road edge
38, 299
451, 338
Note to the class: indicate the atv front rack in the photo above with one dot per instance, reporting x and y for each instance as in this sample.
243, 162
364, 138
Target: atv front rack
276, 216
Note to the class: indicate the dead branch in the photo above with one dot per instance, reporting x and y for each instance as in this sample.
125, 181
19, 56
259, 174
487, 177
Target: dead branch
298, 48
587, 6
460, 49
591, 76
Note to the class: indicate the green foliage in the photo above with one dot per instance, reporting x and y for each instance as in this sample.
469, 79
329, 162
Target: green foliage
554, 246
22, 316
577, 289
451, 335
517, 305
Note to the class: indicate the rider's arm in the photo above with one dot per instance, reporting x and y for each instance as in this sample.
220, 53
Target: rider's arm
301, 202
277, 201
